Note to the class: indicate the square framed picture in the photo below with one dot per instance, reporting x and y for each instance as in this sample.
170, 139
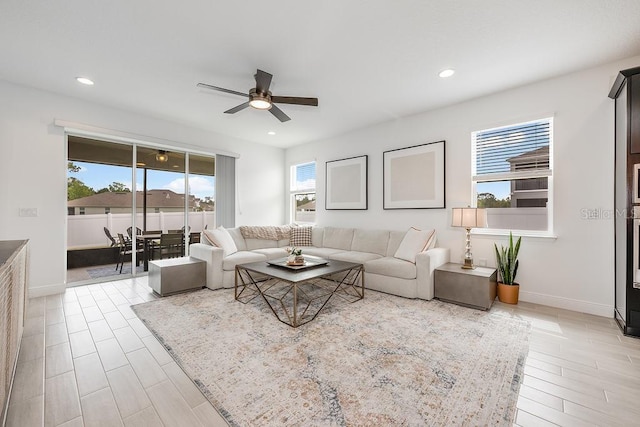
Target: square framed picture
414, 177
346, 184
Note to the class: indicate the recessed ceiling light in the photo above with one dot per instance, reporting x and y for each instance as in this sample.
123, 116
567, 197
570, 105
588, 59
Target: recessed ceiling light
447, 73
85, 81
271, 132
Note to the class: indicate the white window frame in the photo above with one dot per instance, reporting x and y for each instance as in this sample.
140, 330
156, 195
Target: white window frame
294, 190
509, 176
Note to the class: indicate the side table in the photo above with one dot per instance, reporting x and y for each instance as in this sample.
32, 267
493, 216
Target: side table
472, 288
172, 275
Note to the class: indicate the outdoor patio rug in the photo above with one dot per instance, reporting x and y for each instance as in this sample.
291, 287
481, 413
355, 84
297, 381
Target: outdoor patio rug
384, 360
107, 271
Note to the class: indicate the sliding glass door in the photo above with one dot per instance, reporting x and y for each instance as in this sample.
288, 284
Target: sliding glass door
173, 195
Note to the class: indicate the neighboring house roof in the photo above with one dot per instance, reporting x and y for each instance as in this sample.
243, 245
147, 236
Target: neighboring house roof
155, 199
538, 153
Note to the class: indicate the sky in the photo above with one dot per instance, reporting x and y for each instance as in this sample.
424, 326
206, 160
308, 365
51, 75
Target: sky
99, 176
500, 189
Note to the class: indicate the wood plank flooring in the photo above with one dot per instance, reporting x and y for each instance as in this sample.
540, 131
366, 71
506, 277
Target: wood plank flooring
87, 360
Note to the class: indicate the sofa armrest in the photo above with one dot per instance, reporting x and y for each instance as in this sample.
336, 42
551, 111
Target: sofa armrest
426, 263
213, 256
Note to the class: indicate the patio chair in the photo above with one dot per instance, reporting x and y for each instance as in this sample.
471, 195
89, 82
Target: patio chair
110, 237
126, 249
130, 232
171, 245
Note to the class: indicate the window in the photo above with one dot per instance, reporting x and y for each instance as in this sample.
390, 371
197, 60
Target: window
512, 175
107, 210
303, 192
81, 211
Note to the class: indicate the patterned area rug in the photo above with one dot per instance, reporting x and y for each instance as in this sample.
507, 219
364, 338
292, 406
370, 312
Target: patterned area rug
384, 360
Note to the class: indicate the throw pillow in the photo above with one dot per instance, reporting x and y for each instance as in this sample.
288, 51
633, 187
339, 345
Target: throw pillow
414, 242
300, 236
221, 238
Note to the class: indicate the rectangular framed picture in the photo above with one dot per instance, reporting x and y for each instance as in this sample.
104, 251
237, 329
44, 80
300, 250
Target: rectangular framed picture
636, 183
346, 184
414, 177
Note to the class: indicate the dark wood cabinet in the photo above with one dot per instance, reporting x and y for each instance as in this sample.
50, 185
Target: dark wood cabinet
626, 94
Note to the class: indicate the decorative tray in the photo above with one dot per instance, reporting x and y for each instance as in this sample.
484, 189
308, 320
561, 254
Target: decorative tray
309, 262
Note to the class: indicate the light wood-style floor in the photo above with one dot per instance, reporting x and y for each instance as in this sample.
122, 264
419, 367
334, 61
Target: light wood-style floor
86, 359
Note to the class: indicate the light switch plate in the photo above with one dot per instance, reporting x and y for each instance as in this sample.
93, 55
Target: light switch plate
28, 212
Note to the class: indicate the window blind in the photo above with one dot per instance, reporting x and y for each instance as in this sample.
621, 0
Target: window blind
513, 152
303, 177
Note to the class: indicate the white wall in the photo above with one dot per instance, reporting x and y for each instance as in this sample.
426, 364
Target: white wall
33, 171
574, 271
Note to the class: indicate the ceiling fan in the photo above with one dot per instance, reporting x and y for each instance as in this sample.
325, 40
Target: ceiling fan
261, 98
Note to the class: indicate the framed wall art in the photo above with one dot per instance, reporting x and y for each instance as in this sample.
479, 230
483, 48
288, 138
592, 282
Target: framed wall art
414, 177
346, 184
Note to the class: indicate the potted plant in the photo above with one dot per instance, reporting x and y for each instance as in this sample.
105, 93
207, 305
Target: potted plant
295, 256
507, 259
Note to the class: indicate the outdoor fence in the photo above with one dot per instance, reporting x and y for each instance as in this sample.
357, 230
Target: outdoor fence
87, 231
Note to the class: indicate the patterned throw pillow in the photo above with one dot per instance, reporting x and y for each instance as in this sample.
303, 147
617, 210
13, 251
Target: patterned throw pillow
301, 236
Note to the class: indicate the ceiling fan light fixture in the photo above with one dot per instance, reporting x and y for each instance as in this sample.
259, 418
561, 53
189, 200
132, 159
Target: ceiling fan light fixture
162, 156
260, 103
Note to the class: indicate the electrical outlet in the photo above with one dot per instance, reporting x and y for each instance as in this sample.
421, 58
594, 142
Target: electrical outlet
28, 212
482, 262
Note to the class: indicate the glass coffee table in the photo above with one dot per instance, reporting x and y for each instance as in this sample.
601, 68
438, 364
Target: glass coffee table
296, 294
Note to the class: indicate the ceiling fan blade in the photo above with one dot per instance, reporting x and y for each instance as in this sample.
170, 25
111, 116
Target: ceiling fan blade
279, 114
295, 100
221, 89
238, 108
263, 81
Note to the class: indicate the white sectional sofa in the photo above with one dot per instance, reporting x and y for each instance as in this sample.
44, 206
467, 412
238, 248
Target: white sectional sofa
375, 249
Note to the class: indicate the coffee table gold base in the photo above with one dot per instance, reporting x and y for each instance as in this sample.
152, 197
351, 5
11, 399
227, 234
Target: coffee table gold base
298, 302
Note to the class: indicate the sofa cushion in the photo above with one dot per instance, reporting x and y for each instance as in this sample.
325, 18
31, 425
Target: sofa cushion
236, 235
229, 263
374, 241
338, 238
317, 236
395, 238
300, 236
354, 256
319, 252
221, 238
394, 267
253, 244
272, 253
414, 242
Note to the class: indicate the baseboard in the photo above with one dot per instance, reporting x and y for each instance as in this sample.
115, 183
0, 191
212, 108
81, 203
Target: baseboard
603, 310
43, 291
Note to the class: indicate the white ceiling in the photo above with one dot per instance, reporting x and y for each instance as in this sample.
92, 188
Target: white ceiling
367, 61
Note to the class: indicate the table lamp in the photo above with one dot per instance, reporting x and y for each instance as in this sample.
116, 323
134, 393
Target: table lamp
469, 218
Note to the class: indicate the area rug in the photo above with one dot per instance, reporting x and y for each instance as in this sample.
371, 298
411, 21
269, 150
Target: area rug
384, 360
107, 271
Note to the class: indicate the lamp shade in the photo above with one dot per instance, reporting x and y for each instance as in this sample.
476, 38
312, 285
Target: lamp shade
469, 217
